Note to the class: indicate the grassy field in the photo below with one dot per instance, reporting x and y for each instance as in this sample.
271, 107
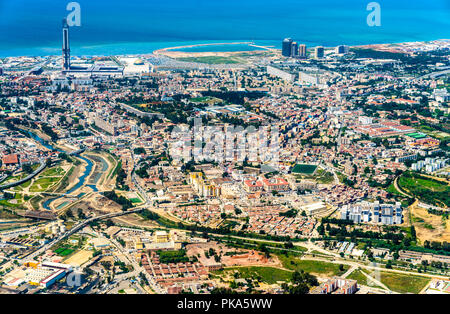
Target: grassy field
426, 189
135, 200
434, 133
64, 251
324, 177
22, 186
403, 283
47, 179
206, 100
391, 189
53, 172
11, 179
114, 171
361, 279
268, 275
210, 60
304, 169
16, 202
35, 201
248, 243
313, 267
43, 184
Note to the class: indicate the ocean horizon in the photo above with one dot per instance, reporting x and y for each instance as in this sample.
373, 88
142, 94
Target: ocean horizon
31, 28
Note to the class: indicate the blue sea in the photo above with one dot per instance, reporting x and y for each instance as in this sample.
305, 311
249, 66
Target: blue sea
33, 27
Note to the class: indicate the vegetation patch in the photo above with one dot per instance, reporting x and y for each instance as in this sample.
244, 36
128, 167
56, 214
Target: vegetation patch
167, 257
313, 267
64, 251
404, 283
269, 275
210, 60
359, 276
426, 189
304, 169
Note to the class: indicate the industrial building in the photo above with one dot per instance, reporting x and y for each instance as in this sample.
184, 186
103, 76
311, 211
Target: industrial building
46, 273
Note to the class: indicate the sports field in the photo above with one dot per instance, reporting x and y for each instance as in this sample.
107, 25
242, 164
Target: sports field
79, 258
416, 135
304, 169
64, 251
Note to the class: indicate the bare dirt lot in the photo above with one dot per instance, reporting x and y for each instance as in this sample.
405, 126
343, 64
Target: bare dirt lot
79, 258
230, 256
134, 220
428, 226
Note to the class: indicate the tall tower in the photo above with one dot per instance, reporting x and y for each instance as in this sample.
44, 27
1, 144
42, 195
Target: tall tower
319, 52
66, 46
286, 47
302, 51
294, 49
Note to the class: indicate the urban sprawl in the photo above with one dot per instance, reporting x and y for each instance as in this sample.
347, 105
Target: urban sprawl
119, 174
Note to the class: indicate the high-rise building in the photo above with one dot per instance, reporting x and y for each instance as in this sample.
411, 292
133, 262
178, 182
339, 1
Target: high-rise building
302, 51
286, 47
319, 52
341, 49
66, 46
294, 49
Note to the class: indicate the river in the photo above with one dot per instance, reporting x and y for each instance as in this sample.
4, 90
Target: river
81, 180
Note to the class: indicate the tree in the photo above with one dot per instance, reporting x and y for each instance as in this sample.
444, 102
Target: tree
139, 151
69, 214
107, 265
321, 229
27, 168
396, 255
301, 283
389, 265
81, 215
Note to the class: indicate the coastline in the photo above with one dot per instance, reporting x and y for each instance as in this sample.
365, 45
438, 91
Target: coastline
155, 48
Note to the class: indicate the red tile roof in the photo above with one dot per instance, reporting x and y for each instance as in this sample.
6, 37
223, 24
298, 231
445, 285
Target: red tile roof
10, 159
